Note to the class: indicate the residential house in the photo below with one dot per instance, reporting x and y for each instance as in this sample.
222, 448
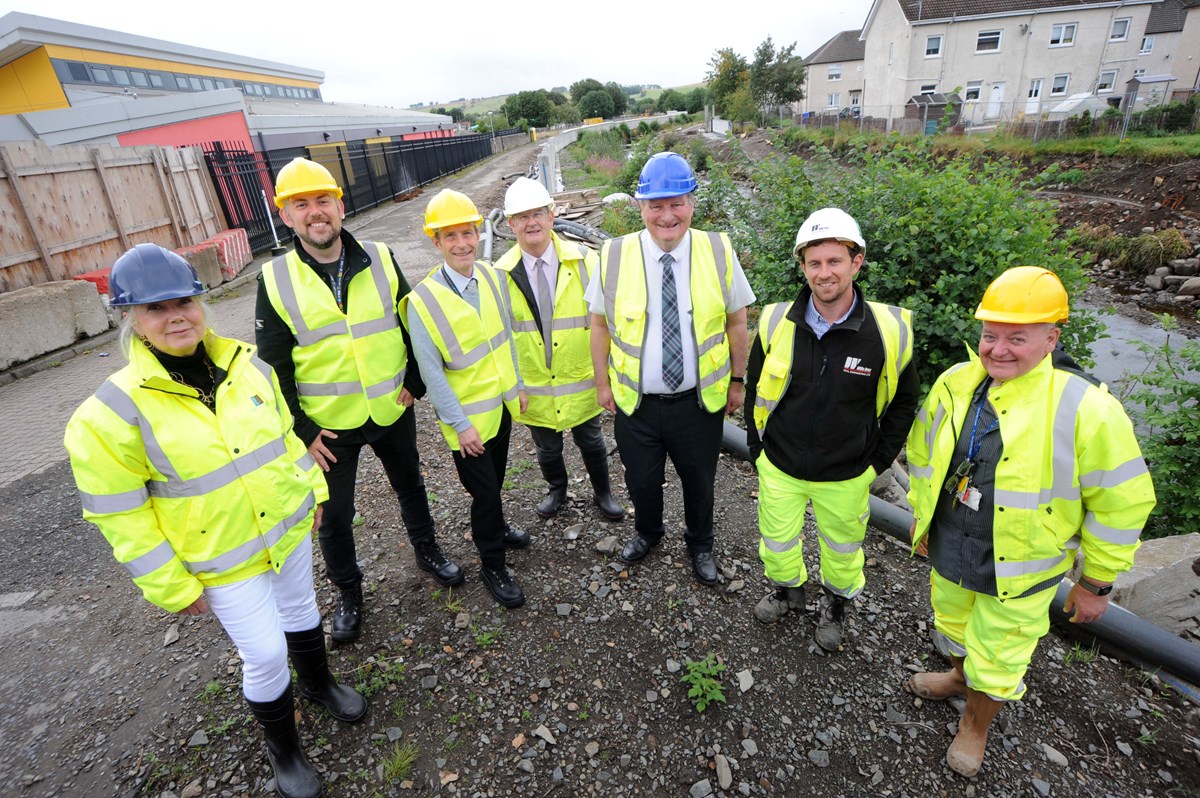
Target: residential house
833, 76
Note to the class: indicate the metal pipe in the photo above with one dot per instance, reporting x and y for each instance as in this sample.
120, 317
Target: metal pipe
487, 240
1118, 626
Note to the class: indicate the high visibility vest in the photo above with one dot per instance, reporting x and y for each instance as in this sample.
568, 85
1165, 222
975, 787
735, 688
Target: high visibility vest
1072, 475
186, 496
778, 336
623, 277
349, 367
476, 348
563, 394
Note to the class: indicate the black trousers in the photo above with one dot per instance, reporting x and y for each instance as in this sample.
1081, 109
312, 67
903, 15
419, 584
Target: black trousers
396, 448
483, 477
674, 426
548, 443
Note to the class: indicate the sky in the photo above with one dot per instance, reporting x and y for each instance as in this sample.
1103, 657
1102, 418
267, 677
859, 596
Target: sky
402, 53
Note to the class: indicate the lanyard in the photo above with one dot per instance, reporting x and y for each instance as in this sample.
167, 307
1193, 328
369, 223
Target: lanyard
337, 281
975, 445
450, 283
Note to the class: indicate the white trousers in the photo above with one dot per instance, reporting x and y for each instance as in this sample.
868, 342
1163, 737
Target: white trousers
257, 611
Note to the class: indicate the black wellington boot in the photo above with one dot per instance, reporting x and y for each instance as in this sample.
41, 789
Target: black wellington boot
597, 468
316, 683
556, 476
294, 777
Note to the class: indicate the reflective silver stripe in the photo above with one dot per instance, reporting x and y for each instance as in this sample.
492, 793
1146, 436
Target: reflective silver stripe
373, 326
123, 405
500, 292
387, 386
459, 360
769, 404
899, 316
560, 390
718, 247
251, 548
629, 349
305, 336
1118, 537
789, 583
310, 337
922, 472
1114, 476
953, 646
778, 314
387, 301
240, 466
625, 379
1011, 568
939, 418
499, 338
114, 502
612, 268
263, 367
923, 415
1063, 463
149, 562
583, 272
483, 405
837, 591
840, 548
305, 461
716, 376
329, 388
713, 341
525, 326
569, 323
780, 546
1017, 499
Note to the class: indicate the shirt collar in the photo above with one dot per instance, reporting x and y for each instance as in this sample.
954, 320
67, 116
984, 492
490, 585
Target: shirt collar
460, 283
656, 252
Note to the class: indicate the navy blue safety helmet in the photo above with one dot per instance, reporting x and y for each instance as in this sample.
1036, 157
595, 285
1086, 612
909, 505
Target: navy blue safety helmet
149, 273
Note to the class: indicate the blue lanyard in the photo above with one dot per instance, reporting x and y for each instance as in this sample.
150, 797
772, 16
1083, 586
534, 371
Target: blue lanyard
975, 445
337, 282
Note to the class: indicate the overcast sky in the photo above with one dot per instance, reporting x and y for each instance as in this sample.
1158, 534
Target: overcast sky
402, 53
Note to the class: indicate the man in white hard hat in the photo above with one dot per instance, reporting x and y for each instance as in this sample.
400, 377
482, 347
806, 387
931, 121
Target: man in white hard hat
832, 389
547, 280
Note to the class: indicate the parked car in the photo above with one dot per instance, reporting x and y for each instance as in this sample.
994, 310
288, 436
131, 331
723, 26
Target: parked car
851, 112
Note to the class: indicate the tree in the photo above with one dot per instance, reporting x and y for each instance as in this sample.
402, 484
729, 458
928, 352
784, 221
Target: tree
619, 98
596, 103
671, 100
776, 77
558, 97
646, 106
581, 87
727, 73
456, 114
697, 98
532, 106
565, 114
740, 106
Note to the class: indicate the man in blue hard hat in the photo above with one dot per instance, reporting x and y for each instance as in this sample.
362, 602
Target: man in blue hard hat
669, 346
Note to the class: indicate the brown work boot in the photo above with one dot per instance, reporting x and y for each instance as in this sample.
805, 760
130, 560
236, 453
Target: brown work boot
938, 686
965, 754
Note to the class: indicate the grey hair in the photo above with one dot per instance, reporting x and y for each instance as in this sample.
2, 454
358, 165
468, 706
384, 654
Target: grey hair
127, 335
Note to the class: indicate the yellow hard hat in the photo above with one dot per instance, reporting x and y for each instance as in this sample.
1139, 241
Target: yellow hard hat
1024, 295
449, 208
302, 176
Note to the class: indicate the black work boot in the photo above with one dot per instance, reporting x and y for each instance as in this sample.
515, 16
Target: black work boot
316, 683
347, 618
831, 620
430, 559
556, 477
597, 468
294, 777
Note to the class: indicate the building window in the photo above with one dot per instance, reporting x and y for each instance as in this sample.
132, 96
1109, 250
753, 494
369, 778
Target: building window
121, 77
139, 79
195, 84
933, 46
988, 41
1120, 30
1139, 73
1035, 88
974, 87
833, 100
1147, 45
929, 88
1108, 79
181, 83
78, 72
1059, 84
855, 97
156, 80
891, 51
835, 72
1062, 35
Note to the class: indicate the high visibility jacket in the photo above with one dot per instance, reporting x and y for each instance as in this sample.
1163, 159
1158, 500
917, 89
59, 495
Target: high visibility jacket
623, 277
778, 335
186, 496
1072, 476
475, 348
349, 367
563, 394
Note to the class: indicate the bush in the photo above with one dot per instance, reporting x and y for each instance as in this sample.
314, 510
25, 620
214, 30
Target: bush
621, 218
1167, 414
1142, 254
938, 229
698, 154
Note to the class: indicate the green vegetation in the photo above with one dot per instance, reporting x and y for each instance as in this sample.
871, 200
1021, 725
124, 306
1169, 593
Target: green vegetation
1141, 254
703, 680
398, 765
211, 692
1077, 653
378, 675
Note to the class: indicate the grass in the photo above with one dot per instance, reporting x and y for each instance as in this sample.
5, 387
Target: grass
1079, 654
211, 692
380, 675
397, 766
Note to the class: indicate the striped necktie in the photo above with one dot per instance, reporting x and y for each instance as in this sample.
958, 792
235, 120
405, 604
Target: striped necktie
545, 307
672, 337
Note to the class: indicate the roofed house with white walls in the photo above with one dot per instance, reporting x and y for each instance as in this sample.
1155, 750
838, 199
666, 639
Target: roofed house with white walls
833, 76
1011, 58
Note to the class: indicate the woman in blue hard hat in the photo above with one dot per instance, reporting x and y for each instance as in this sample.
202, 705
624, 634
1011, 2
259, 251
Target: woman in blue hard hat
186, 461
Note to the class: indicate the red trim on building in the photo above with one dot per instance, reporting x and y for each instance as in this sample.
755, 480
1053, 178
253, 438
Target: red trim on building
229, 127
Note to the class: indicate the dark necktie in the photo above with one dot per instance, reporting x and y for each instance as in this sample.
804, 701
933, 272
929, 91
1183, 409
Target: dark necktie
672, 338
545, 307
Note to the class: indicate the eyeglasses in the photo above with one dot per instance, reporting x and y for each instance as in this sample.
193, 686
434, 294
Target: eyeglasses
529, 216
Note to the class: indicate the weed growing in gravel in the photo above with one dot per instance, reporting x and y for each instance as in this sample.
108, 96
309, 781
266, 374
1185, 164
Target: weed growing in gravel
452, 603
1149, 739
398, 765
398, 709
703, 679
220, 727
486, 637
1078, 653
379, 675
211, 692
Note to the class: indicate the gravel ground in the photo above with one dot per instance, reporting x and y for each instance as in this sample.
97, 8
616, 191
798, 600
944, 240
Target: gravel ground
578, 693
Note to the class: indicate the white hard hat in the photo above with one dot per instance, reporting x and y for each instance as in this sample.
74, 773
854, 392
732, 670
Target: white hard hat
828, 223
525, 195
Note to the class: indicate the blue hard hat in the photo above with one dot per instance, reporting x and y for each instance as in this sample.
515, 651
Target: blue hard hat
149, 273
666, 174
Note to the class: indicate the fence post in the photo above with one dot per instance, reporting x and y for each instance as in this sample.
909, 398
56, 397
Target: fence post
346, 181
23, 209
108, 200
156, 155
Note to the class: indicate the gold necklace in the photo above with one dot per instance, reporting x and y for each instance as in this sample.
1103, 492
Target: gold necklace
207, 397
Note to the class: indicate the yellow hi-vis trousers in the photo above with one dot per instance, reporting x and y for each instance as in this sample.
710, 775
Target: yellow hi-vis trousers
996, 638
841, 510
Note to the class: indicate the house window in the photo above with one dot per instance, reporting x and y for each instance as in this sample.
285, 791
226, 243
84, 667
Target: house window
1120, 30
974, 87
1138, 73
933, 46
928, 88
1035, 88
835, 71
1059, 84
988, 41
855, 97
1062, 35
1147, 46
1108, 79
833, 100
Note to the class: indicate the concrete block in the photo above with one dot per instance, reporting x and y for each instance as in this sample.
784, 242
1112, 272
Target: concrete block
234, 250
1164, 584
206, 259
46, 317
